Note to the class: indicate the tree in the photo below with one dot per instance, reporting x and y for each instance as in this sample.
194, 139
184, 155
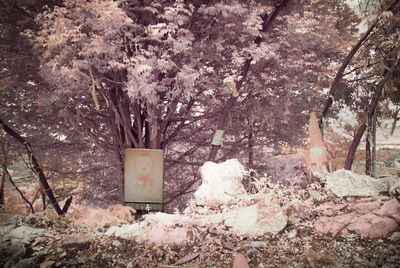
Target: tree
281, 90
379, 55
137, 80
151, 74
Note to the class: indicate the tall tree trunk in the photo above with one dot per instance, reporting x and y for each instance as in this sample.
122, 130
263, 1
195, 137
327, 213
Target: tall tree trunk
347, 60
3, 180
37, 168
3, 176
222, 121
374, 101
118, 150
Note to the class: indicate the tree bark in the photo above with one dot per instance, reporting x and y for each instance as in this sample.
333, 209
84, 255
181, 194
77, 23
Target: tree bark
3, 177
3, 180
374, 101
36, 166
347, 60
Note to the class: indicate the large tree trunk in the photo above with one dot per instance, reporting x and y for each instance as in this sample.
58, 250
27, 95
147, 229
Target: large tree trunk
118, 157
3, 180
374, 101
38, 169
347, 60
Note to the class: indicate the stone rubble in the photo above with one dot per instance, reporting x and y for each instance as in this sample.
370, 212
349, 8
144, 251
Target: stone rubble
369, 219
230, 214
220, 200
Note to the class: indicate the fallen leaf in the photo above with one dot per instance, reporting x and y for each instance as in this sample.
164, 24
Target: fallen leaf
270, 250
187, 258
228, 245
49, 234
218, 241
240, 261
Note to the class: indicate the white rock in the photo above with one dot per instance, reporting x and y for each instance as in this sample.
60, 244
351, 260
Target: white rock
5, 230
25, 233
116, 243
211, 219
243, 220
347, 183
395, 237
221, 183
165, 219
128, 231
271, 217
266, 216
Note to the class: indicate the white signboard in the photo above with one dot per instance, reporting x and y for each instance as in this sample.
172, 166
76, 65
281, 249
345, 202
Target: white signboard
144, 175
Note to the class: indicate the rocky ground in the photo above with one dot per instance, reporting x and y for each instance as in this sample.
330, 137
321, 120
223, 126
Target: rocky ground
45, 240
37, 241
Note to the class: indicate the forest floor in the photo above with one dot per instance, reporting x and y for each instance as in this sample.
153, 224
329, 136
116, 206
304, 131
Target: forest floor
42, 240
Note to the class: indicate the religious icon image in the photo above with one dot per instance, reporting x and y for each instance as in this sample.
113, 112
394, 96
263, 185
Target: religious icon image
144, 168
143, 175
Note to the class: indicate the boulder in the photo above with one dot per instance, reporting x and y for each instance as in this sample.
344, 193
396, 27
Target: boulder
365, 207
373, 226
288, 169
221, 183
330, 208
390, 209
266, 216
367, 218
334, 224
24, 233
347, 183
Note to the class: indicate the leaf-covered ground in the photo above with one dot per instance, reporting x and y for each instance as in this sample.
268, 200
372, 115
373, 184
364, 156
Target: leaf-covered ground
43, 240
61, 245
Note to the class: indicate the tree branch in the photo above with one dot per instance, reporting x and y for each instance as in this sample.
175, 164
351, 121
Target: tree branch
5, 172
36, 166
